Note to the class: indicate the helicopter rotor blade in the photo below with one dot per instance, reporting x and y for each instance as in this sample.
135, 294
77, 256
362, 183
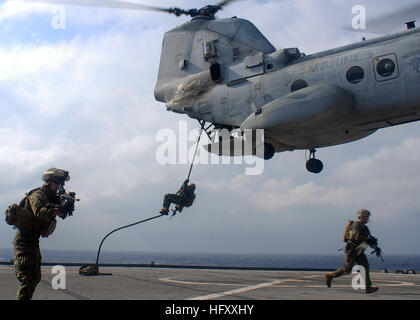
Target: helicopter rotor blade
390, 22
224, 3
114, 4
105, 4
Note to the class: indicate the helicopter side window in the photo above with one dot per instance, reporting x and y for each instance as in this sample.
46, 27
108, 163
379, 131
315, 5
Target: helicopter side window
355, 74
385, 67
298, 85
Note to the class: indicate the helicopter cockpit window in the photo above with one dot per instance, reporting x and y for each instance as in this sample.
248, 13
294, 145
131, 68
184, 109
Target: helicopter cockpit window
355, 74
298, 84
385, 67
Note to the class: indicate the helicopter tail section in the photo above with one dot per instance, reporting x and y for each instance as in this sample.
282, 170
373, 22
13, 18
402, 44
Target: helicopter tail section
205, 52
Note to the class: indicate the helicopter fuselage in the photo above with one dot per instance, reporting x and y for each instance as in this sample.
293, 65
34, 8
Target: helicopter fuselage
306, 102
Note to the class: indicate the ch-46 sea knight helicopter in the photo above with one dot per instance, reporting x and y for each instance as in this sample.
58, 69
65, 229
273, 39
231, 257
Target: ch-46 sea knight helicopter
226, 73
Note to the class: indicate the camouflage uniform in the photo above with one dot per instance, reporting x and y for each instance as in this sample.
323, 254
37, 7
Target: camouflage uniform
183, 198
26, 243
359, 234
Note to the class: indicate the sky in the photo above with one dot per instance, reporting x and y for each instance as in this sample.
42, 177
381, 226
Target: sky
81, 98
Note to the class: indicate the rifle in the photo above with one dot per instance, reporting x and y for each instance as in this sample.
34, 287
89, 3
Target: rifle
378, 252
67, 200
373, 242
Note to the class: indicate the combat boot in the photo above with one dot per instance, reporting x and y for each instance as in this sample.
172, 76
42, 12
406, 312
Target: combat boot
328, 279
371, 289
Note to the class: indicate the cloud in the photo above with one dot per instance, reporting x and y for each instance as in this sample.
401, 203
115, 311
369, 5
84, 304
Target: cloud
17, 9
83, 100
22, 61
22, 149
382, 182
85, 105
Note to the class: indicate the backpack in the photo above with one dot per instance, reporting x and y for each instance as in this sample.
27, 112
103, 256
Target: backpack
11, 215
18, 216
189, 200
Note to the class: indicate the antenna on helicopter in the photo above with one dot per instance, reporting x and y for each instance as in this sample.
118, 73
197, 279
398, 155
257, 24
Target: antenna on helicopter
411, 25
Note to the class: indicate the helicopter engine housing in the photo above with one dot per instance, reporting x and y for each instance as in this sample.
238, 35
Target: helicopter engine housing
313, 108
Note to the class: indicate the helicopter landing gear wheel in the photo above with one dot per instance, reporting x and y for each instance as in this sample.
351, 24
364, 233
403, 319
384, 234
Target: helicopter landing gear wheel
314, 165
269, 151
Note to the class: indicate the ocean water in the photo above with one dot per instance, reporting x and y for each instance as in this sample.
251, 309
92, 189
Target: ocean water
391, 262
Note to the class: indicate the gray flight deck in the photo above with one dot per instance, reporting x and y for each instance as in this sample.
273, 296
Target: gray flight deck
164, 283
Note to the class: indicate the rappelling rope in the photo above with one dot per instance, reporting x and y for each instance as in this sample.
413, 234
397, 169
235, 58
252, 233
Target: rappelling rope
93, 269
195, 152
145, 220
192, 164
127, 226
155, 217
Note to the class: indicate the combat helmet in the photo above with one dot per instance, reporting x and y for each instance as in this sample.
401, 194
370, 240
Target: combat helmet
55, 175
363, 213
